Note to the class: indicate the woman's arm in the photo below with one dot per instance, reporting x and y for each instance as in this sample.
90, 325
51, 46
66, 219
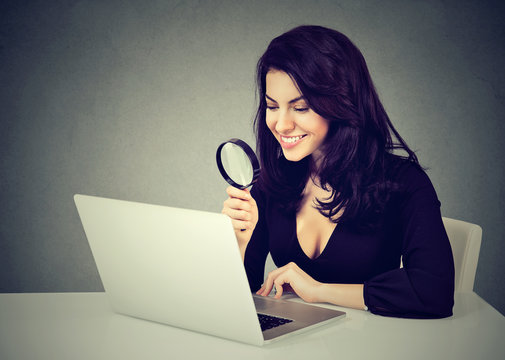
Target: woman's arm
243, 212
424, 287
310, 290
348, 295
246, 210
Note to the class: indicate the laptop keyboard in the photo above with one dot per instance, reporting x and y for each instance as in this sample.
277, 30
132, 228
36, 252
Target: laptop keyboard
269, 321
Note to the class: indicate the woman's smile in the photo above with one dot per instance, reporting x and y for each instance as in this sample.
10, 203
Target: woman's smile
287, 142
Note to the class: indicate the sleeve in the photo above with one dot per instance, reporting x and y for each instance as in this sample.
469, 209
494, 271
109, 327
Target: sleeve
258, 247
424, 287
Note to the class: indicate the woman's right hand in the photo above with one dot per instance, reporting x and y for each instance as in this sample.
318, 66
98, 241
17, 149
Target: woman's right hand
241, 208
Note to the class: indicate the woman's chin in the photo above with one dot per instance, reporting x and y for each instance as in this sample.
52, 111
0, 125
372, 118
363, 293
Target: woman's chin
293, 156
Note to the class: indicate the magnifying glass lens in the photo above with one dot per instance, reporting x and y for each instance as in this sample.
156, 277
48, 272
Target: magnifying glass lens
237, 163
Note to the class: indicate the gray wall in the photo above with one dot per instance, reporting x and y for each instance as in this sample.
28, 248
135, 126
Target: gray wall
129, 99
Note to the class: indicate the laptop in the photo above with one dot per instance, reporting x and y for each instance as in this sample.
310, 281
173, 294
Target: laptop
183, 268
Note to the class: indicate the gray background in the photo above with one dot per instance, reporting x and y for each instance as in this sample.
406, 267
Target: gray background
129, 99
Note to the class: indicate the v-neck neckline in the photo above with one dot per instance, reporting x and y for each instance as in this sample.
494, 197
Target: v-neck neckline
295, 237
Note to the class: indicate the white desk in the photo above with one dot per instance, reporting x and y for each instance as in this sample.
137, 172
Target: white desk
82, 326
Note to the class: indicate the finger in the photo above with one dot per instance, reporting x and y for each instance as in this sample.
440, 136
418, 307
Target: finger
269, 282
266, 288
237, 214
239, 204
279, 285
278, 294
260, 290
241, 225
237, 193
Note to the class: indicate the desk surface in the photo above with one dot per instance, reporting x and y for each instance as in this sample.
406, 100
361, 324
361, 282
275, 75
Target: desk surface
82, 326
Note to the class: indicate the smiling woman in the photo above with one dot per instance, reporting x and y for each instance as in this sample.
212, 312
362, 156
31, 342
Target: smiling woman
335, 205
298, 129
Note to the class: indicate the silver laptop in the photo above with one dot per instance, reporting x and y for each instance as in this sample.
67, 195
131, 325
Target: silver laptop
183, 268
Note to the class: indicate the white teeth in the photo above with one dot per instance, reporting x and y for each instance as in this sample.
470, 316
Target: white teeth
291, 139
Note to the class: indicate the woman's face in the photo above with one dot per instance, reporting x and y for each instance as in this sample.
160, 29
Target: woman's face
297, 128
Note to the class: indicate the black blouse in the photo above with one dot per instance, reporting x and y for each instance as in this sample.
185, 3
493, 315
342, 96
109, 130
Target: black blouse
411, 230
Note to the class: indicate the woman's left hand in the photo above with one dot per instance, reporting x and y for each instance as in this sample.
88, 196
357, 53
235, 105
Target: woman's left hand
301, 283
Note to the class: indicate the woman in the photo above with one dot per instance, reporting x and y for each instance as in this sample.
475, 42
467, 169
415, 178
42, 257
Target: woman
337, 210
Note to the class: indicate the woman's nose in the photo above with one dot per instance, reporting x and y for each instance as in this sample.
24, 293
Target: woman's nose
284, 123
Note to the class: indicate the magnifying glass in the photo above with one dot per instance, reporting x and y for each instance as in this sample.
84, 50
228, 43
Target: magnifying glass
237, 163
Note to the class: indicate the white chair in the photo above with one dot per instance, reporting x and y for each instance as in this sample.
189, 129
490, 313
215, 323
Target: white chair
465, 239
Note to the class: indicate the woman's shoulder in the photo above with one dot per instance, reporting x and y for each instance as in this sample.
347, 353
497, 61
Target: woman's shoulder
408, 175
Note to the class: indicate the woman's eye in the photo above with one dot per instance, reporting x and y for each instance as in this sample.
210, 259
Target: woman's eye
272, 107
302, 110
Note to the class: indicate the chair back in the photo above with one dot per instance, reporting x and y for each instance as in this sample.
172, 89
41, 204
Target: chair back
465, 239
